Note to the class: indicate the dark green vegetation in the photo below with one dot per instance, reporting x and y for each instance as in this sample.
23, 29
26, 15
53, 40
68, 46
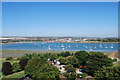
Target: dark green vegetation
108, 73
95, 61
36, 66
106, 39
6, 68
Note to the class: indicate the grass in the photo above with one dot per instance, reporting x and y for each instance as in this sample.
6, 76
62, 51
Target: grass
15, 75
19, 53
4, 60
117, 64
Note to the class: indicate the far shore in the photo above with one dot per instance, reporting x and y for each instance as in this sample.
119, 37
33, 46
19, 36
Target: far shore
63, 42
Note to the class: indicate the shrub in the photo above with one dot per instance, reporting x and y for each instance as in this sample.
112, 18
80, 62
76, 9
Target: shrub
23, 62
16, 67
6, 68
9, 58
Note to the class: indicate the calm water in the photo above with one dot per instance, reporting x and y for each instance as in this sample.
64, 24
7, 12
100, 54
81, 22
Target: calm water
61, 46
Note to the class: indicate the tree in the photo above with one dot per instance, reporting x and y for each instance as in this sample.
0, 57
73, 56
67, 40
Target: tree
65, 54
82, 57
70, 68
23, 62
51, 56
70, 72
38, 68
70, 76
108, 73
63, 61
16, 67
96, 61
73, 61
9, 58
6, 68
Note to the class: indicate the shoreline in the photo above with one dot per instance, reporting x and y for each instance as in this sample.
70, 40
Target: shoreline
62, 42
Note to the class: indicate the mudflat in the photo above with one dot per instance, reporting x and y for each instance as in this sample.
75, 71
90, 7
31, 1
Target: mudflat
19, 53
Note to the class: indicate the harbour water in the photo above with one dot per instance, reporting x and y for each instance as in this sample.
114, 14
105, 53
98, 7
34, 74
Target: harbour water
62, 46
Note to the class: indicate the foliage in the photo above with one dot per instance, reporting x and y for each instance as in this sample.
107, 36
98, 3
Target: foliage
96, 61
51, 56
108, 73
82, 57
82, 75
114, 60
9, 58
38, 68
23, 62
14, 75
70, 76
69, 68
70, 72
6, 68
29, 56
63, 61
16, 67
65, 54
73, 61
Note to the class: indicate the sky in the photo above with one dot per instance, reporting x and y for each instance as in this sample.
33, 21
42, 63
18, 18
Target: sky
83, 19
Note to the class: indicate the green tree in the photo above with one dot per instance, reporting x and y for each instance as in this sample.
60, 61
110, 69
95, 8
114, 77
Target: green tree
6, 68
65, 54
16, 67
23, 62
96, 61
69, 68
70, 72
108, 73
82, 57
63, 61
38, 68
70, 76
73, 61
9, 58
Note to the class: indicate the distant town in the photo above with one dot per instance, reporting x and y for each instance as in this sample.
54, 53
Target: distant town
58, 39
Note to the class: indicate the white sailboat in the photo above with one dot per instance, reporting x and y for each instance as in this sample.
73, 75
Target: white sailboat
91, 49
100, 45
111, 47
63, 48
106, 47
69, 46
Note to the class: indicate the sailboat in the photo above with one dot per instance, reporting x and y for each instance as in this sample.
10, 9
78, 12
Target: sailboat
111, 47
100, 45
69, 46
63, 48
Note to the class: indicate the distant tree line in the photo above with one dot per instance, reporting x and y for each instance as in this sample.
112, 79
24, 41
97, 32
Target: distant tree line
106, 39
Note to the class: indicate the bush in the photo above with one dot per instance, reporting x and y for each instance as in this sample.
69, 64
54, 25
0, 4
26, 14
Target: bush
114, 60
108, 73
16, 67
6, 68
23, 62
39, 69
9, 58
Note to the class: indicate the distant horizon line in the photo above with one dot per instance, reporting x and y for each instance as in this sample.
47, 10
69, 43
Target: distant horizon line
66, 36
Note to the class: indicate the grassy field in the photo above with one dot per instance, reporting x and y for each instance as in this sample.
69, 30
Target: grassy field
15, 75
117, 63
19, 53
11, 61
